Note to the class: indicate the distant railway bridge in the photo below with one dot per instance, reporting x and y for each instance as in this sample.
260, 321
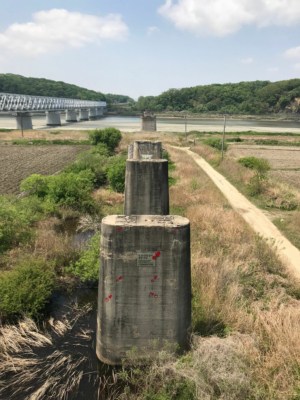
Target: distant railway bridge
23, 106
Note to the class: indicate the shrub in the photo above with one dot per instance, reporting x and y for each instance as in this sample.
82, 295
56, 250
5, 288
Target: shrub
116, 173
35, 184
260, 165
94, 162
14, 223
72, 190
87, 267
111, 137
215, 143
26, 289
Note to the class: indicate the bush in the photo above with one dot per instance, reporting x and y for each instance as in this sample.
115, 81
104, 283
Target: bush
26, 289
15, 219
215, 143
87, 267
94, 162
260, 165
72, 190
35, 184
116, 173
111, 137
258, 182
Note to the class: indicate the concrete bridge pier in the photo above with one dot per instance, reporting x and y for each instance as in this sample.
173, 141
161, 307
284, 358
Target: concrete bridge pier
99, 111
24, 121
92, 114
144, 299
71, 116
83, 114
53, 118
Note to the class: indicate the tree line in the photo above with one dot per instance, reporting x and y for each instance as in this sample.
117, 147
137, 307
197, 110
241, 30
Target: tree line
257, 97
11, 83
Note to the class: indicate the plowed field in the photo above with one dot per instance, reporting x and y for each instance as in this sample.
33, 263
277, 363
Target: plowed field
17, 162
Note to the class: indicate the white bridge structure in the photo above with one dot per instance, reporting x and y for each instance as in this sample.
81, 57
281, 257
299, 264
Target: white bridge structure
23, 106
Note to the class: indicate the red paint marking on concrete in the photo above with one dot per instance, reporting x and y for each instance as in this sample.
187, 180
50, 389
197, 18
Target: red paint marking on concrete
153, 295
119, 229
108, 298
119, 278
155, 278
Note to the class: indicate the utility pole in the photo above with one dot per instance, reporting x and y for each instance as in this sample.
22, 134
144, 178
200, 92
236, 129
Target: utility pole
185, 128
21, 119
223, 136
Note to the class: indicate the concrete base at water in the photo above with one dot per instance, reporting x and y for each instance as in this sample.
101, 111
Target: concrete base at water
144, 287
24, 121
146, 187
53, 118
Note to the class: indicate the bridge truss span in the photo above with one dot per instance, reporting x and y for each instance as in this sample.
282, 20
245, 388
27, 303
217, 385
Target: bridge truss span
26, 103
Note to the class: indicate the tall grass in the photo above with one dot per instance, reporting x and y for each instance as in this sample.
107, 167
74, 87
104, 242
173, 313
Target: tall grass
240, 290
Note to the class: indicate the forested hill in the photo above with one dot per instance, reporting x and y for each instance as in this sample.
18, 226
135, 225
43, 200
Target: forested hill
258, 97
10, 83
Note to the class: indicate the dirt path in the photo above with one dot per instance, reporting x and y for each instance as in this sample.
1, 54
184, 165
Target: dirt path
288, 253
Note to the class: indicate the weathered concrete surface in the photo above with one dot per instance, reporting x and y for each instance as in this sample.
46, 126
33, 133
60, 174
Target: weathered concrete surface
24, 121
71, 116
53, 118
146, 187
83, 115
145, 150
144, 286
148, 122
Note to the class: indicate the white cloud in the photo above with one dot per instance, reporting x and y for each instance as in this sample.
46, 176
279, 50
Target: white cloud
273, 69
294, 52
247, 60
224, 17
152, 30
56, 29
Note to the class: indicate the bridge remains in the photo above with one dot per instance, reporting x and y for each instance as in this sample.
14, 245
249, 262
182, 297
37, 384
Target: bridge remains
23, 106
144, 299
148, 121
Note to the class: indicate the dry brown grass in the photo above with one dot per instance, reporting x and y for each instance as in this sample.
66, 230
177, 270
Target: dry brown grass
239, 288
33, 367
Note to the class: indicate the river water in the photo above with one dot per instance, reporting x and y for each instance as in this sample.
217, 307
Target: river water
133, 124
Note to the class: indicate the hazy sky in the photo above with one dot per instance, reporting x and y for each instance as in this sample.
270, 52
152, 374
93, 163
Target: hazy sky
144, 47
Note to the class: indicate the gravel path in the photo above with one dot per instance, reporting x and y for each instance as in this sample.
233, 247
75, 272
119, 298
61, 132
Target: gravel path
287, 252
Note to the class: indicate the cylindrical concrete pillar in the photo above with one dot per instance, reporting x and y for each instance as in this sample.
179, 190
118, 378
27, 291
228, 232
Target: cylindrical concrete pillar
144, 287
146, 187
24, 121
83, 115
71, 116
145, 150
92, 114
53, 118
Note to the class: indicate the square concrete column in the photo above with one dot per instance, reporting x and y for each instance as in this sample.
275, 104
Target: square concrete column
144, 299
53, 118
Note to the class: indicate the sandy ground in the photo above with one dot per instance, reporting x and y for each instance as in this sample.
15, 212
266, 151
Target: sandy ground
288, 253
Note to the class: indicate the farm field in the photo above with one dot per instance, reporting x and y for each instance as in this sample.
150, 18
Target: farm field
284, 161
17, 162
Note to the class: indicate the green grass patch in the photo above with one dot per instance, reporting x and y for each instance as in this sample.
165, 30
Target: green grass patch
42, 142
